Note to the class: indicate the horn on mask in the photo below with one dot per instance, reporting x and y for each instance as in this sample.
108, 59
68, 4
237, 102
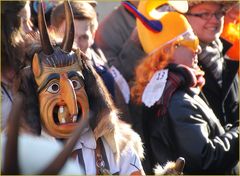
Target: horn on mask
69, 30
45, 41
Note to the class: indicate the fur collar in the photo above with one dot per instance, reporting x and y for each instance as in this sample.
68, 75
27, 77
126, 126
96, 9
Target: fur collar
118, 135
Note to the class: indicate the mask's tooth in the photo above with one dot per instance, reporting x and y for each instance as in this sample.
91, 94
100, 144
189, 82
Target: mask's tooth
74, 118
63, 120
62, 114
61, 109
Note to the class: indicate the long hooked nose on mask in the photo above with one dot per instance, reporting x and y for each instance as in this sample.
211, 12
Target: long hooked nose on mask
68, 95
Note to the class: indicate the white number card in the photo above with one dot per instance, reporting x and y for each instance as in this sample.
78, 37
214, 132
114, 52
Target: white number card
154, 89
121, 82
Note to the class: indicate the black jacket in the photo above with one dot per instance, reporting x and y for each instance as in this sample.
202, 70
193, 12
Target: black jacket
221, 93
191, 130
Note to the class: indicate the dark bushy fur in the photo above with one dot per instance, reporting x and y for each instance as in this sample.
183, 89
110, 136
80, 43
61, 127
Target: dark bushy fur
11, 35
100, 101
171, 168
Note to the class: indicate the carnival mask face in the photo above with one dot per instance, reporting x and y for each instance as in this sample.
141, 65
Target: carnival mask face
62, 97
58, 74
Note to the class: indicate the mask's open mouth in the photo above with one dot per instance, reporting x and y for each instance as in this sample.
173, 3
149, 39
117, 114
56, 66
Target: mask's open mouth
61, 115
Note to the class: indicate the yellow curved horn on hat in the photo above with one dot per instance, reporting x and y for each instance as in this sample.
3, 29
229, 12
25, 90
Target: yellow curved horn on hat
174, 25
178, 5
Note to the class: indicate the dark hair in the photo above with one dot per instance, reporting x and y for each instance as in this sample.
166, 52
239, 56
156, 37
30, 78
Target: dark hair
11, 37
100, 101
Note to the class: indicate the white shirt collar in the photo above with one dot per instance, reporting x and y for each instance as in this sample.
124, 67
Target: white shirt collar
87, 140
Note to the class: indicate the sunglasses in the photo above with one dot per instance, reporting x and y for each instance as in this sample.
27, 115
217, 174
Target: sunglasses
191, 43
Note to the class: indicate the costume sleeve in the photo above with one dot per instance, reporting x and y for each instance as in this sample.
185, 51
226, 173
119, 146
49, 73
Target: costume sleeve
130, 163
200, 138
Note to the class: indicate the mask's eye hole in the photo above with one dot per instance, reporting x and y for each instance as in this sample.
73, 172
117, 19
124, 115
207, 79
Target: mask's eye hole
76, 84
53, 88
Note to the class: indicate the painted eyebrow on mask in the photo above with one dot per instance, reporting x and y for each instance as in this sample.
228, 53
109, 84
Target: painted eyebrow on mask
74, 73
47, 80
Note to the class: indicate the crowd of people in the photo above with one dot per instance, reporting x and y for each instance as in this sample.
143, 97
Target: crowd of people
151, 89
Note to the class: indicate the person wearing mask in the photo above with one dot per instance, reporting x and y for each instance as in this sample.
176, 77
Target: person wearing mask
69, 90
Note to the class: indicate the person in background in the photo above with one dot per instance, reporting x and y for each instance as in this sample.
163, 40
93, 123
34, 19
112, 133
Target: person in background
85, 19
16, 23
221, 88
177, 121
117, 37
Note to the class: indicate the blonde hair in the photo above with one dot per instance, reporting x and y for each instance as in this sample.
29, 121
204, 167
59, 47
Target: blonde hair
156, 60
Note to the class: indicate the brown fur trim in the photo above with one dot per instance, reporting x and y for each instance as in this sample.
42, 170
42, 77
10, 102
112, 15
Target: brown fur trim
106, 125
163, 170
118, 135
171, 168
130, 139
